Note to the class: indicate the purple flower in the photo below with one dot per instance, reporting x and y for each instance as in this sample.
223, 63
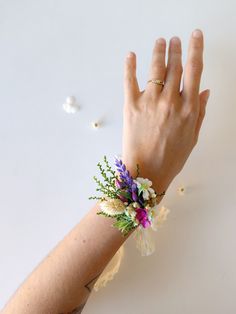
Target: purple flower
134, 197
125, 176
141, 215
127, 181
118, 184
134, 190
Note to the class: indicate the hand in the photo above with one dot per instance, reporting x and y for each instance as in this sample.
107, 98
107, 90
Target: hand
161, 124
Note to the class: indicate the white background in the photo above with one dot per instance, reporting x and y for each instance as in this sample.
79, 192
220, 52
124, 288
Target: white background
52, 49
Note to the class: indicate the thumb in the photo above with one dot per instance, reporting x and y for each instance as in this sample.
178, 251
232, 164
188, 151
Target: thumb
203, 99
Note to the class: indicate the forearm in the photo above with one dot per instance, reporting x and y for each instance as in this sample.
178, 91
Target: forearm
64, 279
161, 127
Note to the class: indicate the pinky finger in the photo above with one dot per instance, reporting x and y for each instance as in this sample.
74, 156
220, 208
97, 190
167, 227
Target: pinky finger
203, 98
131, 88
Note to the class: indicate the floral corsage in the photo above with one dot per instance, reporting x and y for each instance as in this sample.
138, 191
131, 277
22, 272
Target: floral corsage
132, 202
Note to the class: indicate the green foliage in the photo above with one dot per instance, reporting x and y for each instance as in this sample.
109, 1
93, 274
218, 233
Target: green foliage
124, 223
109, 169
96, 198
107, 215
107, 187
125, 194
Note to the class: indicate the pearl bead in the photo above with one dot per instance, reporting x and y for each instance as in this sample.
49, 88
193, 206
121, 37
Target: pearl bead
70, 106
181, 190
95, 125
70, 100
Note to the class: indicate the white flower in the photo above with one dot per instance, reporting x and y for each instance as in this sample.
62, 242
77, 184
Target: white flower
112, 206
151, 191
151, 213
144, 185
130, 211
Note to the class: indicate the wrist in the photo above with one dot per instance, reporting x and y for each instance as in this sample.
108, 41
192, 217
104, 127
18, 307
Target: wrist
130, 196
160, 183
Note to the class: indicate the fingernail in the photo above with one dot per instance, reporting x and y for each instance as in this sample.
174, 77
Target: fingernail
197, 33
161, 41
175, 40
130, 54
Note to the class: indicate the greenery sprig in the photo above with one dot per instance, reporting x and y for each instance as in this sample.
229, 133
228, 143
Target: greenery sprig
124, 190
123, 222
109, 188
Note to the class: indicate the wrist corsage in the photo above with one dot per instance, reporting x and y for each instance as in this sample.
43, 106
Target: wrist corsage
133, 204
131, 201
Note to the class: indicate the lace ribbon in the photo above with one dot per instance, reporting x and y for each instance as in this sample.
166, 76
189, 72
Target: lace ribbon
144, 242
111, 269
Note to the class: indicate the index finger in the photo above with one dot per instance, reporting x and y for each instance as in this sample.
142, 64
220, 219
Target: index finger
194, 66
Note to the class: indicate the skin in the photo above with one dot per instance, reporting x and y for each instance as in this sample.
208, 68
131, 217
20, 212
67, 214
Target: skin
161, 127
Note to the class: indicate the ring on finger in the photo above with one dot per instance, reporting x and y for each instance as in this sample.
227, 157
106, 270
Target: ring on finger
156, 81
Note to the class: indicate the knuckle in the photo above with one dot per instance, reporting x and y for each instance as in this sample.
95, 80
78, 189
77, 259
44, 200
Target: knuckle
202, 114
180, 68
176, 67
196, 45
158, 67
196, 65
152, 97
168, 96
129, 78
130, 110
149, 102
167, 113
168, 107
189, 115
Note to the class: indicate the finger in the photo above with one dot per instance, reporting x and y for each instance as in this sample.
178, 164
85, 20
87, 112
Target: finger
194, 66
131, 88
203, 98
158, 66
174, 66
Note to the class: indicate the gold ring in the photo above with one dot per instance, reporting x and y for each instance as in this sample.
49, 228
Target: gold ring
158, 82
